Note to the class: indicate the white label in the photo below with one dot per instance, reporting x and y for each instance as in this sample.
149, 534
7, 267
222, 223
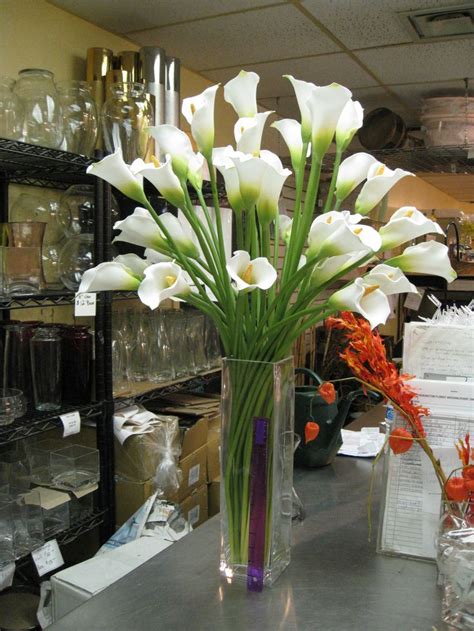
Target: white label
194, 474
48, 557
85, 304
193, 515
434, 300
71, 422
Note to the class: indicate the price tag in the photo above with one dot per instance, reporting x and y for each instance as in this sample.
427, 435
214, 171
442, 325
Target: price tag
193, 476
85, 304
71, 422
193, 515
48, 557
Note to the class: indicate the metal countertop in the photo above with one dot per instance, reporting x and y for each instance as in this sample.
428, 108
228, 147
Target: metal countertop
335, 581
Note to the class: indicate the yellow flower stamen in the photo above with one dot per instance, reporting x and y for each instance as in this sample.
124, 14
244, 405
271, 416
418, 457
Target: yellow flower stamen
193, 109
409, 213
247, 275
170, 280
357, 230
155, 161
329, 220
380, 170
369, 290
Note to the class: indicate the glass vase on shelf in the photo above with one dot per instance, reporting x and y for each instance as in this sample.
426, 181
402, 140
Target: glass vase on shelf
45, 351
11, 110
78, 202
22, 258
80, 117
126, 115
256, 469
42, 116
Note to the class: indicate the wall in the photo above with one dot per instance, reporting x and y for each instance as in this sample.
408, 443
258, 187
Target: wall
416, 192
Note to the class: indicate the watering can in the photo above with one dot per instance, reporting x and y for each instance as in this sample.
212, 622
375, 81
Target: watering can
310, 406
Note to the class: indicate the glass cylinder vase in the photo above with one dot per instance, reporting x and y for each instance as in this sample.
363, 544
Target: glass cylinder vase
80, 118
256, 469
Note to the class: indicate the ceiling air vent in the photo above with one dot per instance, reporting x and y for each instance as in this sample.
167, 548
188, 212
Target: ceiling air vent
449, 22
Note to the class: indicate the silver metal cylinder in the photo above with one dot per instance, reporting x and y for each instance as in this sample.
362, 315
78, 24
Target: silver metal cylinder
172, 91
152, 74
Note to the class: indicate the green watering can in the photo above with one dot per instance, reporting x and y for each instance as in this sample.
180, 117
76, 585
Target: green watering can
310, 406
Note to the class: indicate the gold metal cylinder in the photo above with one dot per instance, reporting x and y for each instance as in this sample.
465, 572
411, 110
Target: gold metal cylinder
99, 62
129, 61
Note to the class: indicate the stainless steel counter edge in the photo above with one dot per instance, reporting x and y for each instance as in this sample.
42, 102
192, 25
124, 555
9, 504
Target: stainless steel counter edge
335, 582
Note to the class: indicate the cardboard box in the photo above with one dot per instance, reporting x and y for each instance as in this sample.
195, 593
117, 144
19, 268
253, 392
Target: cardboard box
194, 470
214, 497
195, 506
74, 585
129, 496
194, 437
213, 458
214, 428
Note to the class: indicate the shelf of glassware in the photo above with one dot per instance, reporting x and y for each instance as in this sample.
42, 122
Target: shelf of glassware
38, 422
27, 301
86, 524
143, 391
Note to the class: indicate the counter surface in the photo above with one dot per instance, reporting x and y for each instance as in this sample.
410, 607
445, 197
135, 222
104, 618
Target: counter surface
335, 581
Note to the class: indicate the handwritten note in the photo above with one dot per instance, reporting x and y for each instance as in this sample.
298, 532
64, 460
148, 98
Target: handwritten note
444, 353
85, 304
71, 423
48, 557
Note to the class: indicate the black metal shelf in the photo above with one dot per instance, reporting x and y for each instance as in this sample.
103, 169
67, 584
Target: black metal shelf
49, 298
160, 390
452, 159
42, 166
37, 423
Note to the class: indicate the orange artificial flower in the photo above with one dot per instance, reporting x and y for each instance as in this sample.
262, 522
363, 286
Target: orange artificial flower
311, 431
327, 392
456, 490
400, 440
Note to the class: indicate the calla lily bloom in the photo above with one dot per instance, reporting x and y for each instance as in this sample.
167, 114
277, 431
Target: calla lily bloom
134, 263
109, 276
221, 159
273, 178
405, 224
199, 112
176, 143
285, 228
165, 181
325, 105
380, 179
250, 274
291, 132
248, 133
349, 122
352, 172
328, 268
303, 91
140, 229
335, 233
368, 236
181, 235
197, 170
391, 280
250, 171
153, 256
365, 298
162, 281
241, 93
116, 172
430, 257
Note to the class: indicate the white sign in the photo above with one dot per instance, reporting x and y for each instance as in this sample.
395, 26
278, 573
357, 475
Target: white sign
48, 557
193, 515
71, 422
85, 304
193, 476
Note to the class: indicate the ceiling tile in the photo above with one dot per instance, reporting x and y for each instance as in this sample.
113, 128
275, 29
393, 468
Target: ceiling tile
361, 24
409, 63
239, 39
320, 70
123, 16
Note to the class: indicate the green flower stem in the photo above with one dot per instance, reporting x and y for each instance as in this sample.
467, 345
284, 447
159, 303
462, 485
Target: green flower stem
338, 203
309, 205
215, 199
332, 186
239, 229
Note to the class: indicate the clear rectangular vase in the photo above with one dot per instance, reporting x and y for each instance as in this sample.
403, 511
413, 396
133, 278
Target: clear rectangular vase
256, 469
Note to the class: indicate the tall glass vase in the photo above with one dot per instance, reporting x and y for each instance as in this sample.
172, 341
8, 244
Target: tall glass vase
256, 469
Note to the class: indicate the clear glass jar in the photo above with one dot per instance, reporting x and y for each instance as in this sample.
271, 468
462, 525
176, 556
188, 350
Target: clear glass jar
45, 350
28, 207
80, 118
125, 117
77, 209
11, 110
75, 258
42, 116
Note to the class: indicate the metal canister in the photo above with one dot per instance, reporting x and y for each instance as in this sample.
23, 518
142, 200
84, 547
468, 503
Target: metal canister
172, 91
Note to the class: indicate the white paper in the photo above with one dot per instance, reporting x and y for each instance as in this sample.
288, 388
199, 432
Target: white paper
364, 444
128, 430
413, 496
71, 423
48, 557
193, 514
193, 476
85, 304
443, 353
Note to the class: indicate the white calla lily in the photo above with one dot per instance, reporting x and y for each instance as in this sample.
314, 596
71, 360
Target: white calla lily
116, 172
197, 170
140, 229
153, 256
273, 178
199, 112
181, 235
250, 274
328, 268
109, 276
248, 132
380, 179
303, 91
291, 133
369, 237
176, 143
335, 233
221, 159
350, 120
285, 224
165, 181
250, 171
241, 93
352, 172
162, 281
134, 263
325, 106
364, 298
405, 224
429, 257
391, 280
